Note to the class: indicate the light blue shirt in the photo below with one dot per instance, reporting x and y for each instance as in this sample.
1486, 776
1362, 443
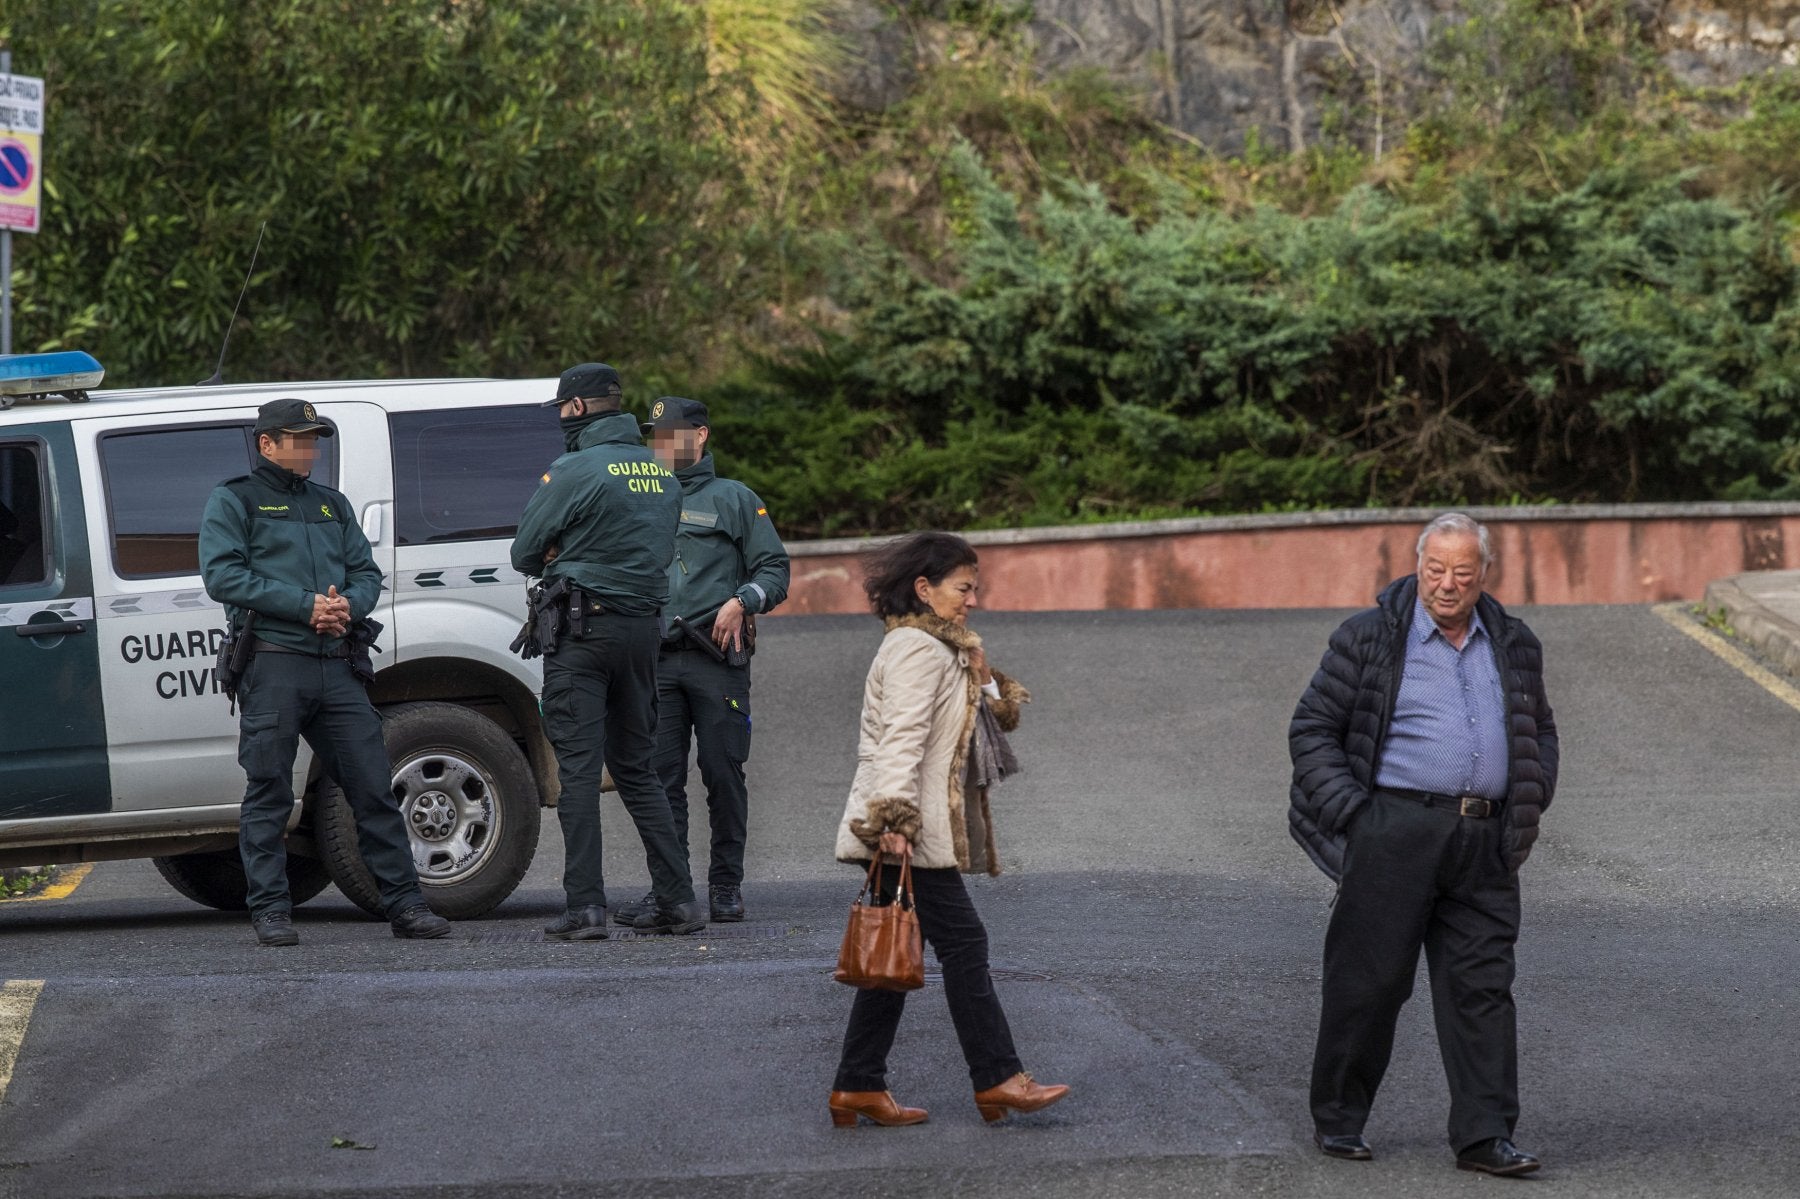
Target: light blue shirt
1448, 734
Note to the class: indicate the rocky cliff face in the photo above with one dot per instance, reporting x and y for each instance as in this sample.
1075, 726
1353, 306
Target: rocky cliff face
1216, 69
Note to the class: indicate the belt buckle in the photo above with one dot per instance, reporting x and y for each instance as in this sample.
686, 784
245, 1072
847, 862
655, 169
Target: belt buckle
1474, 805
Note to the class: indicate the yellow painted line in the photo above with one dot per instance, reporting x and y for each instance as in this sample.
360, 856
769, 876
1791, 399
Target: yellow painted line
1677, 615
17, 999
62, 888
65, 886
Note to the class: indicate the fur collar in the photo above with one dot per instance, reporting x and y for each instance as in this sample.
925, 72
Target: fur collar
954, 635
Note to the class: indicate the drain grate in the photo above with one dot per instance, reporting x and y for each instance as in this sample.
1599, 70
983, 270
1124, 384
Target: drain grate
730, 932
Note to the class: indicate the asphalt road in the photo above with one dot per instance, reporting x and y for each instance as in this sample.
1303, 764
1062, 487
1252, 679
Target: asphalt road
1157, 937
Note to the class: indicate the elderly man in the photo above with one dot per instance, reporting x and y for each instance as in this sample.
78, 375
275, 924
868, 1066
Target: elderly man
1424, 752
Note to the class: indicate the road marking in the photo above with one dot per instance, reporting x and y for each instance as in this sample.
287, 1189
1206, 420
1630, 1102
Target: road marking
16, 1001
1677, 615
65, 886
62, 888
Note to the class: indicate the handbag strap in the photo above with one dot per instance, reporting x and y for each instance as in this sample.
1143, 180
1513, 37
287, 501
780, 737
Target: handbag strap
905, 896
868, 890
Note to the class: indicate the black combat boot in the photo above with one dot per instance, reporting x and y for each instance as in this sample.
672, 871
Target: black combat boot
578, 924
677, 919
727, 903
626, 914
419, 923
274, 928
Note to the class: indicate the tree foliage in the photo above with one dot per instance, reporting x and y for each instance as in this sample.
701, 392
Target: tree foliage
462, 187
1538, 269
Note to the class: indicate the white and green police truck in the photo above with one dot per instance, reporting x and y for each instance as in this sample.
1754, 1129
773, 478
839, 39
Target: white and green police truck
115, 741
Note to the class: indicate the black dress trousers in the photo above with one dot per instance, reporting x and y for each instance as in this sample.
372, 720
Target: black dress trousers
696, 692
1418, 876
949, 923
600, 711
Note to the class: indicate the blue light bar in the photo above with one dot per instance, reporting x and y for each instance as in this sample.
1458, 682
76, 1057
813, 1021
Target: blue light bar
37, 374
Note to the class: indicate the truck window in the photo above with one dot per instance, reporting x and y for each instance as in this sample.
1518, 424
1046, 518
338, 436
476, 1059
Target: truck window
24, 534
464, 474
157, 484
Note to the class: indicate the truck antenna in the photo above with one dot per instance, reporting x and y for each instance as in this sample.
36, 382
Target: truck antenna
218, 375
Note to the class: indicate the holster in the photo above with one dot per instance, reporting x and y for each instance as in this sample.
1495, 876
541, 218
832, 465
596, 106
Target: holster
361, 648
234, 658
547, 619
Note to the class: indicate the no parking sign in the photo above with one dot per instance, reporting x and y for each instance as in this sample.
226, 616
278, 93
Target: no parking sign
21, 152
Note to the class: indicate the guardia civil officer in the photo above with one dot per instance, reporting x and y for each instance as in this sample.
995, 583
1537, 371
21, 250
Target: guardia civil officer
729, 565
602, 524
287, 555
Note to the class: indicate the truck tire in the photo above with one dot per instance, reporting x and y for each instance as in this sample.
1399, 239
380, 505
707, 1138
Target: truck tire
216, 878
469, 802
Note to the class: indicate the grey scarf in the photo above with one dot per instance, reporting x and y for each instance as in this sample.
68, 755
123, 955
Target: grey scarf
993, 760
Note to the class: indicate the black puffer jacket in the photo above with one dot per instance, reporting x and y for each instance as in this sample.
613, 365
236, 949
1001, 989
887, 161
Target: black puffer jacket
1337, 732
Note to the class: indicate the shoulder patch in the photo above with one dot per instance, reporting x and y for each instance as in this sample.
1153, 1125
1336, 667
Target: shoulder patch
546, 477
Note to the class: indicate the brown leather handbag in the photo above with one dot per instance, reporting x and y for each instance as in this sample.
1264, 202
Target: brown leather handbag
882, 950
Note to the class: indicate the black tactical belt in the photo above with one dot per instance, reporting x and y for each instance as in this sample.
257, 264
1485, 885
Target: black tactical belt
1473, 806
269, 647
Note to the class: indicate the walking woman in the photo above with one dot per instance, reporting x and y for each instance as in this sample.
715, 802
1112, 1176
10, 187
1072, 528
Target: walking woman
921, 729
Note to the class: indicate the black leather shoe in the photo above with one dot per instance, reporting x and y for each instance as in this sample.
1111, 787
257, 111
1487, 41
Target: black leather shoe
727, 904
1350, 1148
678, 920
1496, 1156
419, 923
626, 914
275, 928
579, 924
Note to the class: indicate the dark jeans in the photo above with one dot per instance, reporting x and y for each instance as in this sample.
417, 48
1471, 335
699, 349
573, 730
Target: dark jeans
600, 711
950, 925
289, 696
694, 691
1419, 876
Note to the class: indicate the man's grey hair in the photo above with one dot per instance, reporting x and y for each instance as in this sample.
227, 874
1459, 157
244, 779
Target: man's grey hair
1456, 522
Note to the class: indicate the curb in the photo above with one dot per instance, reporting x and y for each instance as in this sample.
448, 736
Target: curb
1758, 623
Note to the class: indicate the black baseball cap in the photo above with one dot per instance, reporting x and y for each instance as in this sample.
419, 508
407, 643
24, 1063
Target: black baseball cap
588, 381
674, 412
290, 416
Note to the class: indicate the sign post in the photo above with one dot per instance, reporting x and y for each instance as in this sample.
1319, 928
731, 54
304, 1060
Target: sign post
21, 173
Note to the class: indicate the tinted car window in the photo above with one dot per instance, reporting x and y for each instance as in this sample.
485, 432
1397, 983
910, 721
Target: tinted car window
23, 529
157, 484
465, 474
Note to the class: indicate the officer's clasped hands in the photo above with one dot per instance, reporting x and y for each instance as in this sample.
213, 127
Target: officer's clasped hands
331, 613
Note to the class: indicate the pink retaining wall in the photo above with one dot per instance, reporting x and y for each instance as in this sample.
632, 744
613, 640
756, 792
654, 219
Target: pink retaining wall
1614, 554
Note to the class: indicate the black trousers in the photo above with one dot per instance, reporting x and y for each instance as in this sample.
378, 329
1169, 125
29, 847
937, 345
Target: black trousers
1417, 876
951, 926
696, 692
600, 712
289, 696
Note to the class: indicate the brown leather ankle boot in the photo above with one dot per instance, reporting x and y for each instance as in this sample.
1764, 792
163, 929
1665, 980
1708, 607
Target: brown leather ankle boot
1020, 1093
878, 1106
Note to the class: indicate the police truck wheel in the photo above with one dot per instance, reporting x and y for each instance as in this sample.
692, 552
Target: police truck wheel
469, 802
216, 878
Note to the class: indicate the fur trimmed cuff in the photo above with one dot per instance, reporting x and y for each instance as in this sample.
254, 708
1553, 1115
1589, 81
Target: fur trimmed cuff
888, 816
1006, 708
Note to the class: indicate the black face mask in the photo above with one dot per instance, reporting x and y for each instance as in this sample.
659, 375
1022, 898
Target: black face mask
572, 427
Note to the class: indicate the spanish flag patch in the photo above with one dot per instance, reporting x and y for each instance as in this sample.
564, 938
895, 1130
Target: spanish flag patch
762, 511
546, 476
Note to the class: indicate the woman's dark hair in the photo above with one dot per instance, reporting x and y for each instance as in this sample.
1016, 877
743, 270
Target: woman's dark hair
889, 572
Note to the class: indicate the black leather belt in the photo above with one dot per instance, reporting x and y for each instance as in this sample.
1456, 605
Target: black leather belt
1473, 806
269, 647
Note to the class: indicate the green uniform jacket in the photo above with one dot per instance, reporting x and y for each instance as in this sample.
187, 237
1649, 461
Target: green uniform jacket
727, 546
611, 512
300, 541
